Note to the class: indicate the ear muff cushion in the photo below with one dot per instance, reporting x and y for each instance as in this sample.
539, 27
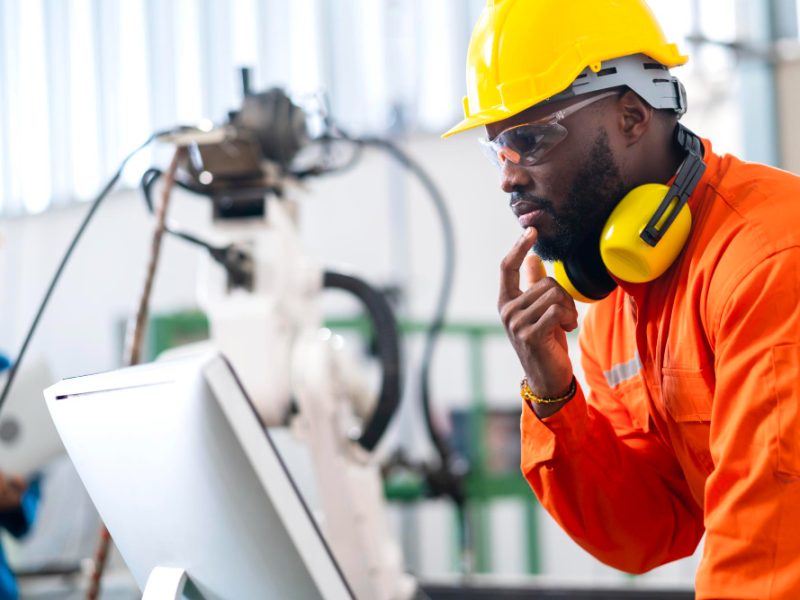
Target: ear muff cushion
584, 276
561, 277
625, 254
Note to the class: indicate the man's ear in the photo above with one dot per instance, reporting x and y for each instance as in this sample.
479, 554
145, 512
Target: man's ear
634, 117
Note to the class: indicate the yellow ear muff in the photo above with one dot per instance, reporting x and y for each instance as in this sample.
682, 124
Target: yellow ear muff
644, 234
625, 254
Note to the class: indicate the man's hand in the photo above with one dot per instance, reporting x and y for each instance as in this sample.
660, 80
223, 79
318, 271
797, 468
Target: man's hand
536, 321
11, 489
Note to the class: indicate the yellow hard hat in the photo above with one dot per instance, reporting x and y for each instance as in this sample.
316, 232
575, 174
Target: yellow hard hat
523, 52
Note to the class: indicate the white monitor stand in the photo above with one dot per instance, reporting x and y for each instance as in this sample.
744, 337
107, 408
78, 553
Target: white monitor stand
190, 485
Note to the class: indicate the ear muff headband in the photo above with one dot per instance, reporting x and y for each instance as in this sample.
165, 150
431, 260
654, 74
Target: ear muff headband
686, 180
634, 247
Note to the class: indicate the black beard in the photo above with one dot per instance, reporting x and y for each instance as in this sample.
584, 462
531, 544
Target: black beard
595, 191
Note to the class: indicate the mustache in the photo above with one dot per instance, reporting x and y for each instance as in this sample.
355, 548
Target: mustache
537, 202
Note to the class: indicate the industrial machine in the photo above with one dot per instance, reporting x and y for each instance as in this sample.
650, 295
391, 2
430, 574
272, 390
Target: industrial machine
261, 294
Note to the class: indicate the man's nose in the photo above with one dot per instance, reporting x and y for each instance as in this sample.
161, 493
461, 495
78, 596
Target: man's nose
513, 177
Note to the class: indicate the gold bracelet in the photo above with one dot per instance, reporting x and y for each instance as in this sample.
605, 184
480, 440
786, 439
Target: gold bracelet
527, 394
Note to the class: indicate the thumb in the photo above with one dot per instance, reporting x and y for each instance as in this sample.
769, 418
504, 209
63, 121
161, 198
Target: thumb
534, 269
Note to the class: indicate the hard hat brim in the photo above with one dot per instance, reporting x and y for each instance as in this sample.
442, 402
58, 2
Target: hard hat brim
473, 122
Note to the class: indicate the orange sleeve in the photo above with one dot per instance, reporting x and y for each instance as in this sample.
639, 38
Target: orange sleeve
752, 497
611, 485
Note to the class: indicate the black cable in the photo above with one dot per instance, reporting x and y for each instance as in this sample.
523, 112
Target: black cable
387, 340
434, 329
449, 478
232, 258
377, 307
328, 167
149, 178
335, 134
51, 288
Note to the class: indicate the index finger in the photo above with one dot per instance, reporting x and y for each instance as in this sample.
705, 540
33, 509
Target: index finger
509, 268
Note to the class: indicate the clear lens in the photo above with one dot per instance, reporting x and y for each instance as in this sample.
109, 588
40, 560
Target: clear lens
524, 145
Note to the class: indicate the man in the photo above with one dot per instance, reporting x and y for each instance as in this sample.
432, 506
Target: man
19, 501
691, 422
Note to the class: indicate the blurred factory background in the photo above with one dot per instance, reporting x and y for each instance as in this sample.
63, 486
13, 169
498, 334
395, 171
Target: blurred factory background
83, 82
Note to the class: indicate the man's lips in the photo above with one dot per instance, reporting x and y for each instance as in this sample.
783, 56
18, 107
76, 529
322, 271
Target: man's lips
531, 219
529, 214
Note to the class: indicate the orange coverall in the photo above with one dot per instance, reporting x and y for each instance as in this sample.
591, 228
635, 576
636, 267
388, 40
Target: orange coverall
692, 423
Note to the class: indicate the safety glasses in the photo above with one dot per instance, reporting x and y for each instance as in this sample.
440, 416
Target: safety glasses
527, 144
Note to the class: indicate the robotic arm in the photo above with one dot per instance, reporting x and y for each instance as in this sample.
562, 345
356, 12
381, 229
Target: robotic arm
264, 313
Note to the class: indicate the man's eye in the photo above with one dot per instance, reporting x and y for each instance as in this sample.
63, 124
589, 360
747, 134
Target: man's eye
527, 140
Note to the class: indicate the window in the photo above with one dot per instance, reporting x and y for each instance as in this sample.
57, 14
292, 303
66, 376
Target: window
82, 82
